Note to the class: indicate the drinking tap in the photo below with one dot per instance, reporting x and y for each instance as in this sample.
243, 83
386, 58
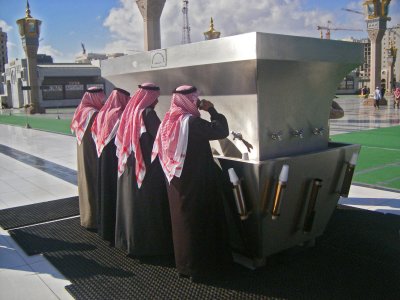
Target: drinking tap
236, 135
318, 131
277, 136
298, 133
239, 136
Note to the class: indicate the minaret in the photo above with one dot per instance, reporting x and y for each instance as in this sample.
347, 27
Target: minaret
212, 34
151, 12
29, 29
391, 60
186, 26
376, 16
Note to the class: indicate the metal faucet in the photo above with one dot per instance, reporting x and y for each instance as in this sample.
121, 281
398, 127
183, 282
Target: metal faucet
239, 136
277, 136
298, 133
236, 135
318, 131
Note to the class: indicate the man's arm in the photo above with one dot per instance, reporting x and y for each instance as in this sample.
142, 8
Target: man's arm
216, 129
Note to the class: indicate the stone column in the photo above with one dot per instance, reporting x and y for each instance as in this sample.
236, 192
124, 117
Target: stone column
391, 58
151, 12
31, 60
29, 29
376, 15
375, 35
389, 79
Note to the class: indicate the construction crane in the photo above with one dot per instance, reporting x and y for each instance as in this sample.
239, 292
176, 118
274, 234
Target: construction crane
360, 13
328, 29
186, 26
353, 11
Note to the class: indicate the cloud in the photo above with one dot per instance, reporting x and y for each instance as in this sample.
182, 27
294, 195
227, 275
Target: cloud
49, 50
394, 12
273, 16
125, 24
123, 46
10, 44
231, 17
4, 26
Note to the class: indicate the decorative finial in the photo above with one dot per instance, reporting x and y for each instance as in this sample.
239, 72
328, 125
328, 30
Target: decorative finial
212, 33
27, 11
212, 24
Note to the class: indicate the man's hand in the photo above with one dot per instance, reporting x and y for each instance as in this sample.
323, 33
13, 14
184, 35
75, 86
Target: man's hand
205, 105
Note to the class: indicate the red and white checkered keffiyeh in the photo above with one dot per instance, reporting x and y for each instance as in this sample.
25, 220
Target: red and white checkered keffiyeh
106, 124
131, 128
172, 137
92, 102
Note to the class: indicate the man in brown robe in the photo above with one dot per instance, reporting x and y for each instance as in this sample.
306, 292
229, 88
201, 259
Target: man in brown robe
198, 220
84, 116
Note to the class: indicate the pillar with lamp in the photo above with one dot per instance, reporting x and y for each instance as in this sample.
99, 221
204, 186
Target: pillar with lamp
376, 15
29, 30
391, 60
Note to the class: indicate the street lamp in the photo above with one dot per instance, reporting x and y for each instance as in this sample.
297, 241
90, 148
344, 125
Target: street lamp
376, 16
391, 58
29, 30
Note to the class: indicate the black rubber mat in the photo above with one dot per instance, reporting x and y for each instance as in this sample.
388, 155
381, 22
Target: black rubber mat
358, 257
39, 213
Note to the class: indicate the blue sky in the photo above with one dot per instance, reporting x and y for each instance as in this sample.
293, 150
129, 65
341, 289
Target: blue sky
107, 26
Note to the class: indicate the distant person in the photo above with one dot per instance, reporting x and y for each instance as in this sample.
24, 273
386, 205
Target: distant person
377, 97
143, 221
396, 97
104, 130
82, 121
365, 91
197, 213
383, 90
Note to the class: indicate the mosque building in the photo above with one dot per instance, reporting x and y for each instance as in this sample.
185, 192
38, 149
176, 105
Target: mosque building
38, 83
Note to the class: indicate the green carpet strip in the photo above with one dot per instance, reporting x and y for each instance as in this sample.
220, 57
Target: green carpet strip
46, 124
378, 164
388, 137
379, 161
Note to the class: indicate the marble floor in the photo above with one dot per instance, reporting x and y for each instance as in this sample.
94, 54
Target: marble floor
24, 182
29, 157
359, 117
